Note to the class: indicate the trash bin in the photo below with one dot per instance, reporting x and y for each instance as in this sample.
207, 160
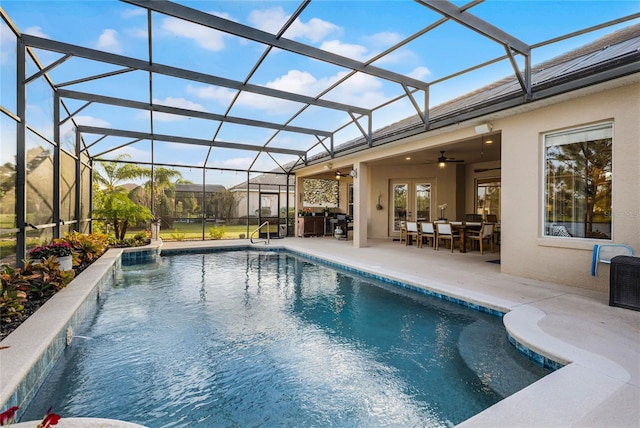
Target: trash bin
624, 282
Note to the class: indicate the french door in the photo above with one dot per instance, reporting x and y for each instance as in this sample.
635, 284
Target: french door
410, 201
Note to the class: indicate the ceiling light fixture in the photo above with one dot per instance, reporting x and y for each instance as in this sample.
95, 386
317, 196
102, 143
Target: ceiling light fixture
338, 175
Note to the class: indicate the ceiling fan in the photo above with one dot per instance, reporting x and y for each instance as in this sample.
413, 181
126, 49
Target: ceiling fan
444, 159
486, 169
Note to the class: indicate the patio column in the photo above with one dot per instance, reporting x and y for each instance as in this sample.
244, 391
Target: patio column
360, 203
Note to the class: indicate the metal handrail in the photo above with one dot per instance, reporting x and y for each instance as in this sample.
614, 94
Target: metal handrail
258, 230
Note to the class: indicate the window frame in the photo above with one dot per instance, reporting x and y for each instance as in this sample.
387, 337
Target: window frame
545, 220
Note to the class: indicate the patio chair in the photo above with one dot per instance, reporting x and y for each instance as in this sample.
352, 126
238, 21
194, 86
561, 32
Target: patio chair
560, 230
403, 230
345, 223
445, 232
492, 218
412, 232
605, 252
473, 218
426, 231
485, 234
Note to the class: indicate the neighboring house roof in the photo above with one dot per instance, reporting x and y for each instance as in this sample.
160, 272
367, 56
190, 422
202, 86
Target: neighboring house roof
619, 50
266, 182
129, 186
195, 188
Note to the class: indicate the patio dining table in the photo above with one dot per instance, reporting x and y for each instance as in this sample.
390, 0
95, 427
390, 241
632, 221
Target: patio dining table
461, 228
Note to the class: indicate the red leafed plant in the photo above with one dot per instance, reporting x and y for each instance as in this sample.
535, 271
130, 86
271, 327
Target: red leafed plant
7, 418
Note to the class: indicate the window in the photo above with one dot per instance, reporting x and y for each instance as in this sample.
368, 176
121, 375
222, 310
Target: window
577, 196
488, 197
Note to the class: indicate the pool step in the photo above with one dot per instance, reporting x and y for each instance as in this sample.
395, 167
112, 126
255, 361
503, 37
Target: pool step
496, 363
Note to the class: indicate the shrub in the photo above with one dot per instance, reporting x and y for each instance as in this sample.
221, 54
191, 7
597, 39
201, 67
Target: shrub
58, 249
217, 232
87, 247
12, 297
45, 278
178, 236
36, 280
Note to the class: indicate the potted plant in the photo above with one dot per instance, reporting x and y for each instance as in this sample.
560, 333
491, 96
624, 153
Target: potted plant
61, 250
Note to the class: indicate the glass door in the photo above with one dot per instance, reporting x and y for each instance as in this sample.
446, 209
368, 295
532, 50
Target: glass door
269, 210
411, 201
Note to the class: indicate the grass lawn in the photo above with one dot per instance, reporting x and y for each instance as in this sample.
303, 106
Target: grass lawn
188, 231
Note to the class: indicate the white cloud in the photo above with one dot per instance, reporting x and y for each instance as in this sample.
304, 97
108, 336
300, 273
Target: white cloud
67, 130
138, 33
356, 52
108, 41
210, 92
35, 31
360, 89
180, 103
295, 81
301, 82
90, 121
384, 39
239, 163
420, 73
205, 37
133, 12
271, 20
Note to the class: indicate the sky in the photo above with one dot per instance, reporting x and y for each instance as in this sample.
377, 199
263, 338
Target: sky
359, 30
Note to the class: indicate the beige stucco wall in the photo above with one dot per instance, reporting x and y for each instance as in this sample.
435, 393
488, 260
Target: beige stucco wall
524, 252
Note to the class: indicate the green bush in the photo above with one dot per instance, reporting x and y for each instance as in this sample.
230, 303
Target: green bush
217, 232
177, 235
36, 280
12, 297
86, 248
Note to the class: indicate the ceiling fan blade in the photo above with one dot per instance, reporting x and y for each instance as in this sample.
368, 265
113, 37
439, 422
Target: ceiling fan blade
454, 160
486, 169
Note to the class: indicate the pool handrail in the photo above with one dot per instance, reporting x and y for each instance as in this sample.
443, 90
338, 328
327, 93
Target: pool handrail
266, 242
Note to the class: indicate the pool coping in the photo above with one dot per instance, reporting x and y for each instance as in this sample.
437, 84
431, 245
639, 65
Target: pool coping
37, 343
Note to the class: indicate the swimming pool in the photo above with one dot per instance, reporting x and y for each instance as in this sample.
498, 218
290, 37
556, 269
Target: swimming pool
250, 338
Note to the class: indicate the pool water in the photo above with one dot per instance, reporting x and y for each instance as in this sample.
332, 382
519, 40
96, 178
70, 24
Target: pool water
252, 338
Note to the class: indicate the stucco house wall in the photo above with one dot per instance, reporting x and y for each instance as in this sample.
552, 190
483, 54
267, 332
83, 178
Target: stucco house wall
524, 250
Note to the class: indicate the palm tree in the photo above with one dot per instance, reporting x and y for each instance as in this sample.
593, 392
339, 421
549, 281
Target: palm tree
116, 172
158, 193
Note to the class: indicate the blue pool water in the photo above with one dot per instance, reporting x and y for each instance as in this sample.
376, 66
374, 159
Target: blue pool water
250, 338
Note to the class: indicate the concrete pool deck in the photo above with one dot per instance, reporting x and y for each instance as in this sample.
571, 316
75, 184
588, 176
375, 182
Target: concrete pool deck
599, 344
600, 385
